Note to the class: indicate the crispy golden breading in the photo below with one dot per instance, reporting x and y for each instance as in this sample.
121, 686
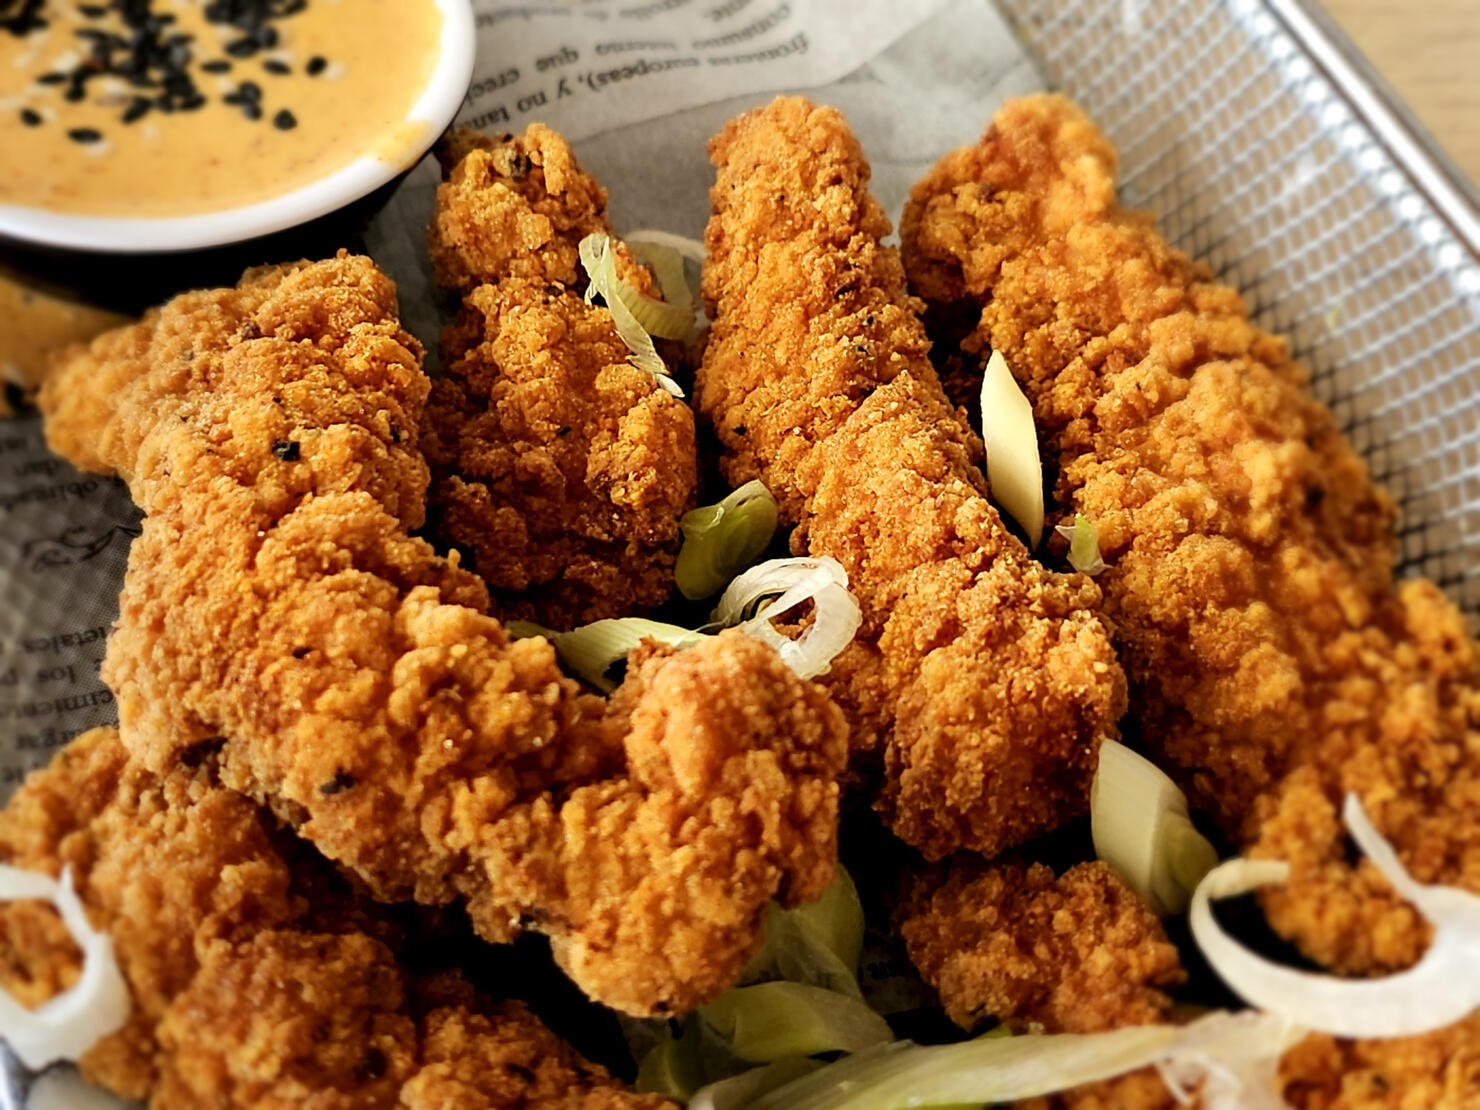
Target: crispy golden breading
275, 599
1250, 557
559, 466
1437, 1071
987, 681
246, 993
1080, 953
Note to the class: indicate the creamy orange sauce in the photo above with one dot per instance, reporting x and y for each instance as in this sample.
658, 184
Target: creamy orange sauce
378, 57
33, 325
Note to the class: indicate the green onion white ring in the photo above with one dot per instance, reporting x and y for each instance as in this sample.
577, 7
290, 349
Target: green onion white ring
96, 1006
1439, 990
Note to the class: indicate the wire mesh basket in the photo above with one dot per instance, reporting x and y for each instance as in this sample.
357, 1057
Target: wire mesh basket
1265, 149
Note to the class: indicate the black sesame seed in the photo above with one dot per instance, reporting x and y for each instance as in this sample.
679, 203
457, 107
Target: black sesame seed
217, 65
252, 111
242, 48
281, 69
316, 65
285, 120
85, 135
52, 79
30, 117
250, 91
137, 110
287, 450
92, 11
266, 36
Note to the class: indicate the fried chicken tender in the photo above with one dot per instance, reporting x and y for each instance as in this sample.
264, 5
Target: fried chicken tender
245, 993
987, 681
558, 465
276, 608
1080, 953
1272, 660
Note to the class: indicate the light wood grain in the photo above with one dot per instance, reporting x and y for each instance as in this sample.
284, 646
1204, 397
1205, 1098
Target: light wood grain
1429, 52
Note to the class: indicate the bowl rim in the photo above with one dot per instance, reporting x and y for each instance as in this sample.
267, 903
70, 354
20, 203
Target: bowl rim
437, 106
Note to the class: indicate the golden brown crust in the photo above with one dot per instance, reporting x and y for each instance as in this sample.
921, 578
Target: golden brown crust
253, 984
986, 682
561, 468
1079, 953
274, 598
1249, 555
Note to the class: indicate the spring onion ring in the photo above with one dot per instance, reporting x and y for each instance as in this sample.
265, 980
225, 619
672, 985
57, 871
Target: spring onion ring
1439, 990
721, 540
1140, 825
1084, 545
1014, 468
824, 582
600, 263
97, 1005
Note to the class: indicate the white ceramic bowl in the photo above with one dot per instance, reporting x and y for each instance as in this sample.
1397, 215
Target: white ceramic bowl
435, 109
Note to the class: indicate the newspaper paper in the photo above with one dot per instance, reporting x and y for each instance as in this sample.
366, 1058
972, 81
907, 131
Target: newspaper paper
640, 86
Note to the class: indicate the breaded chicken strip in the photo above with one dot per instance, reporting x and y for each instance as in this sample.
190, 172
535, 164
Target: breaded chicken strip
245, 992
1250, 556
559, 466
987, 681
275, 600
1080, 953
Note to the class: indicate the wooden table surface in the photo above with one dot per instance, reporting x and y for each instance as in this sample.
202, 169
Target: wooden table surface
1428, 51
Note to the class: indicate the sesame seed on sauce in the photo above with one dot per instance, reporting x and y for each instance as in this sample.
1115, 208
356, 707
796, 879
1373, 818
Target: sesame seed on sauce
140, 45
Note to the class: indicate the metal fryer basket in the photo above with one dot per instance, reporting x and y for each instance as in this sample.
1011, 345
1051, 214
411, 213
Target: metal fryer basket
1267, 150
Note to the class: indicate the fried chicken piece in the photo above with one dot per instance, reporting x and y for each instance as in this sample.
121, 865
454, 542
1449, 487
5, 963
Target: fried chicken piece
1080, 953
561, 467
987, 681
1273, 663
245, 992
275, 599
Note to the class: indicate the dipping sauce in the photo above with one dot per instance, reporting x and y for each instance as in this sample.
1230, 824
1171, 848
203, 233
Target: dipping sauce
33, 325
178, 107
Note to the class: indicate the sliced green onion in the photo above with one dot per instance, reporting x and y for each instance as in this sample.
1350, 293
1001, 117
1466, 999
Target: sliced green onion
624, 303
670, 1070
721, 540
1235, 1058
817, 943
1139, 821
1014, 469
592, 650
528, 630
96, 1006
836, 614
770, 1021
741, 1090
1084, 544
682, 245
1439, 990
667, 266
